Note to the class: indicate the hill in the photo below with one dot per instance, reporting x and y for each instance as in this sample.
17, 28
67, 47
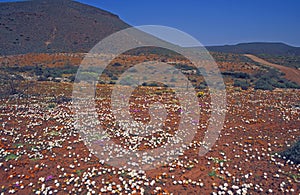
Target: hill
53, 26
275, 49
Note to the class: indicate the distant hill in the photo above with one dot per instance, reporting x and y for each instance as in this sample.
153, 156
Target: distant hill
258, 48
54, 26
51, 26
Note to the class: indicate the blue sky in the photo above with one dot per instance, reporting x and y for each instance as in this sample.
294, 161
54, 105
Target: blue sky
215, 22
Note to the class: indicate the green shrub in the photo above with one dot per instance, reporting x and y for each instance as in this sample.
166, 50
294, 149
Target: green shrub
202, 85
11, 157
279, 85
241, 75
114, 78
293, 85
51, 105
173, 80
263, 85
292, 153
102, 82
150, 84
117, 64
243, 84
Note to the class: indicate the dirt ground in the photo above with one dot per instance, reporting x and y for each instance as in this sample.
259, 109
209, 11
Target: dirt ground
291, 74
42, 153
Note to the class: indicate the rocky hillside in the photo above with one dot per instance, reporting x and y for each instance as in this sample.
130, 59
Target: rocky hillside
52, 26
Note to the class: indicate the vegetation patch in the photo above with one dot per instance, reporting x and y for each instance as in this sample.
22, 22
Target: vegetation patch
292, 153
11, 157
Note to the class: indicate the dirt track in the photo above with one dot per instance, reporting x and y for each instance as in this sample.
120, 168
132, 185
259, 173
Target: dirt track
290, 73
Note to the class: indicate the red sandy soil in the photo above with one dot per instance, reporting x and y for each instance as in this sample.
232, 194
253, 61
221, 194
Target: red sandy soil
44, 59
291, 74
39, 145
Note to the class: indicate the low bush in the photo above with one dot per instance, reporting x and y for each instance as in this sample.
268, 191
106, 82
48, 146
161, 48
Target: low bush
243, 84
241, 75
263, 85
292, 153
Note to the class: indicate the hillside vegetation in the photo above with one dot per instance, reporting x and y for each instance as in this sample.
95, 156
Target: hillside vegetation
53, 26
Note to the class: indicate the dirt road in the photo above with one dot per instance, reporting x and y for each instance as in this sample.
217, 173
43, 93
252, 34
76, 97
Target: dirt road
291, 74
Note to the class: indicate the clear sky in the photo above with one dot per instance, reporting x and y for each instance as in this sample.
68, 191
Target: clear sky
215, 22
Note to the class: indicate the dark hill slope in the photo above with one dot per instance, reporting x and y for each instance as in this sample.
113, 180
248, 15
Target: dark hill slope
50, 26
